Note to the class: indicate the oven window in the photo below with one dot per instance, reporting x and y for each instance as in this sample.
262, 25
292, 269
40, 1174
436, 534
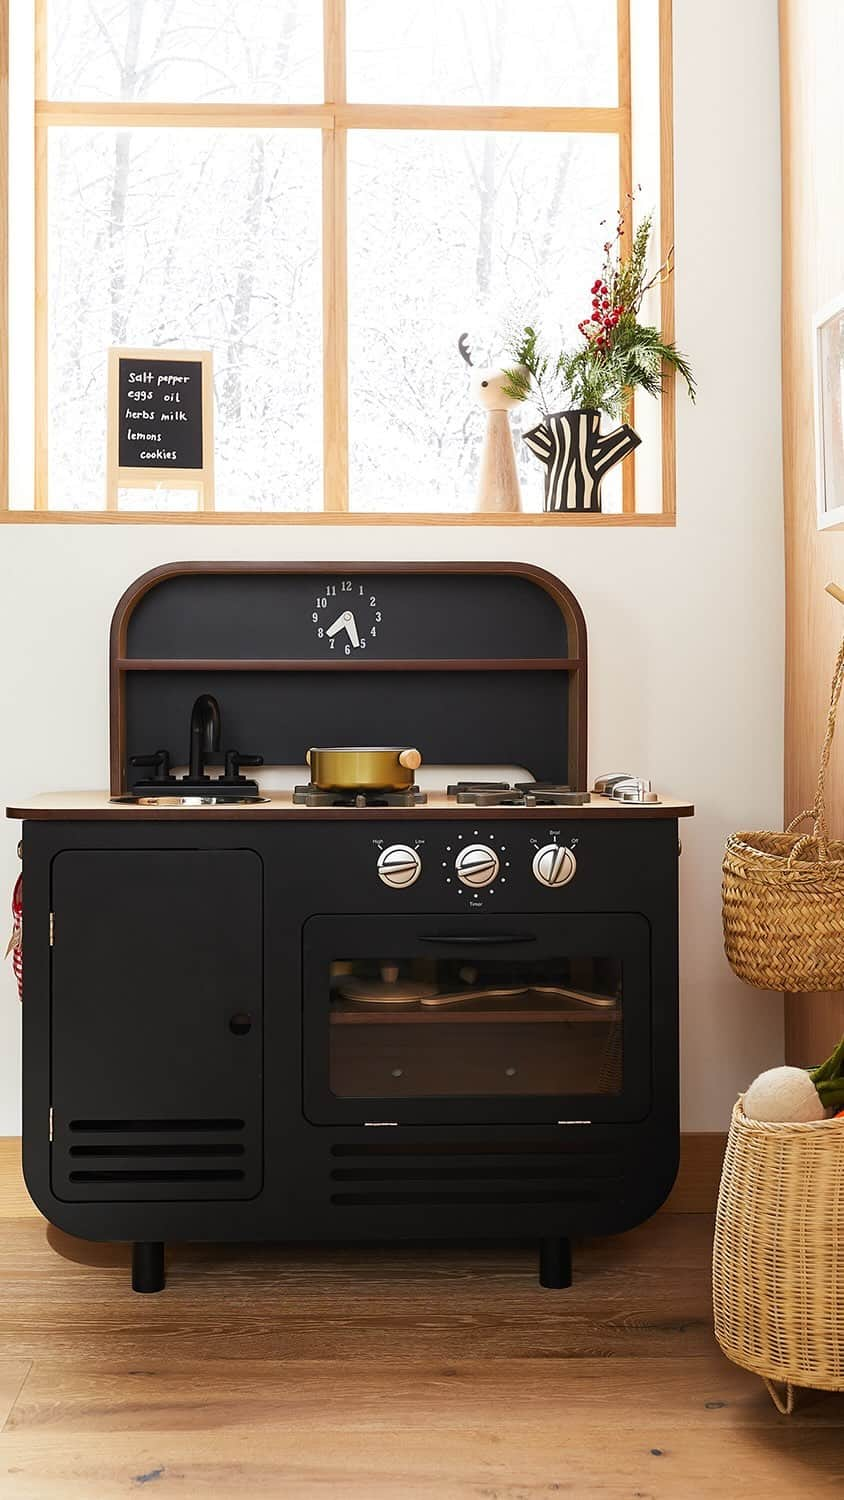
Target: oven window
445, 1026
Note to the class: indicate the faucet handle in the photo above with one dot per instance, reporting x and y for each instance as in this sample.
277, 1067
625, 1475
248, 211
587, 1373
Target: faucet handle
160, 760
234, 761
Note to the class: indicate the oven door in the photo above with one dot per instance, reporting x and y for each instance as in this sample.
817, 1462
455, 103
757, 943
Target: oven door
427, 1020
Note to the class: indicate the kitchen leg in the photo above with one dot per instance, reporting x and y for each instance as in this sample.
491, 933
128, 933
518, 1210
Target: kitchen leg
148, 1266
554, 1262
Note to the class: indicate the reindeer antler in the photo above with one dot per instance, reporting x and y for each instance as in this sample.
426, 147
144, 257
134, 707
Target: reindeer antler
463, 346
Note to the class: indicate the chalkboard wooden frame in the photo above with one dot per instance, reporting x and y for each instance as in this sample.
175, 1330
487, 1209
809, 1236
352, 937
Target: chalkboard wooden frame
149, 476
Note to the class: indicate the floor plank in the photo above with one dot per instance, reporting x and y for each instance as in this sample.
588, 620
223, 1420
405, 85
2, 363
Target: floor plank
379, 1396
385, 1373
502, 1460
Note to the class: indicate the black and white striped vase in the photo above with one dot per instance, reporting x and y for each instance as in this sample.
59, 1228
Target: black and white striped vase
577, 456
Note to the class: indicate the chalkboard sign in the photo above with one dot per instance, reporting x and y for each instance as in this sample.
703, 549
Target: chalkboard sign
160, 413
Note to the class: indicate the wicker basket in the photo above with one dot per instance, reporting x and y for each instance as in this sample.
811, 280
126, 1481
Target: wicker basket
783, 895
778, 1260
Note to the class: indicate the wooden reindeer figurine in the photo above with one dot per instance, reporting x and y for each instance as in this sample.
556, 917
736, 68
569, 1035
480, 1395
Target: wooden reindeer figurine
498, 482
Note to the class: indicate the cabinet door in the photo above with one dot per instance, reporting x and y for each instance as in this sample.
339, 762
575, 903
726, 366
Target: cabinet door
157, 1024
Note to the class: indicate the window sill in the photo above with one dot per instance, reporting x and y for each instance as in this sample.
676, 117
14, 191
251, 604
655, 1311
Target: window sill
332, 518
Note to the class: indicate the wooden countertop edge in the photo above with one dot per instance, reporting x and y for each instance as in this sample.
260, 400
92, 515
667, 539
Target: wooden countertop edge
100, 810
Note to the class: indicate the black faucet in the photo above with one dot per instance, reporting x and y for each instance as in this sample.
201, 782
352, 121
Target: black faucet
204, 735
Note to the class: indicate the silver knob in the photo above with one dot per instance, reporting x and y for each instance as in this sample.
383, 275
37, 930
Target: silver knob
476, 865
399, 866
554, 865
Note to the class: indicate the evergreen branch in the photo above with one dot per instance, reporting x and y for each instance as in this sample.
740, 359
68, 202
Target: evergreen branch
618, 354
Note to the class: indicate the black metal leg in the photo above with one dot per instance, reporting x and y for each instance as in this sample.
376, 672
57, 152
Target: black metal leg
554, 1262
148, 1266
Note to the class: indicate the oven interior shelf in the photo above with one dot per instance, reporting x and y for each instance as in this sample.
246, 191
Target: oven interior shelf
382, 1016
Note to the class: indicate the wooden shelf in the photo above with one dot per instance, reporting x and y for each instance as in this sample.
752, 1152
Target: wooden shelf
345, 664
385, 1015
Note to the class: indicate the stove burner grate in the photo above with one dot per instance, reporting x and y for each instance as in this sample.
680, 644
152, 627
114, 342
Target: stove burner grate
457, 787
520, 794
550, 794
489, 796
309, 795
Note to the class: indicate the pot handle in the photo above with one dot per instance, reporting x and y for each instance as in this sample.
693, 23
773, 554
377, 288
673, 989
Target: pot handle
410, 759
307, 757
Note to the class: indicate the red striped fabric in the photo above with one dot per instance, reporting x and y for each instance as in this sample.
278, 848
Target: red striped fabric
16, 940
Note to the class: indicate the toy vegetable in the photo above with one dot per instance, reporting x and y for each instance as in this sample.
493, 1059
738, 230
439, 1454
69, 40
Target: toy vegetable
795, 1095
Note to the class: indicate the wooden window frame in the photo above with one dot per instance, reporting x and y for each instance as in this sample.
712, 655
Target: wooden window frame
335, 116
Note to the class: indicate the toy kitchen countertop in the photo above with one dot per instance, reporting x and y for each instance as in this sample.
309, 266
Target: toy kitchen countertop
69, 806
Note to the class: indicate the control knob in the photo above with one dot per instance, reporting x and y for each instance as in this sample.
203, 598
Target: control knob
554, 865
476, 865
399, 866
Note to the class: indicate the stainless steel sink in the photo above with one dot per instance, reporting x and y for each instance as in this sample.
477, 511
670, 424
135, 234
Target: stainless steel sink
149, 801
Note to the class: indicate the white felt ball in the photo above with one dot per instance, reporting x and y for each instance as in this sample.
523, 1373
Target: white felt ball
784, 1095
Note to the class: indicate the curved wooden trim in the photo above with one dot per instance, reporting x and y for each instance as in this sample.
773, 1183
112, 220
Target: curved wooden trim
561, 594
559, 591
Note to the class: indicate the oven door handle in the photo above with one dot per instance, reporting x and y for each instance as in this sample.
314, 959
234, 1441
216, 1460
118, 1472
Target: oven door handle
477, 937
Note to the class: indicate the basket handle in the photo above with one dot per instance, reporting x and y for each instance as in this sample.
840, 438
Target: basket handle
784, 1403
819, 835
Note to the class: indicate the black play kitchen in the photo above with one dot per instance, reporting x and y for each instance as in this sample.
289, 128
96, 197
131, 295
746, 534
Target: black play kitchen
355, 1010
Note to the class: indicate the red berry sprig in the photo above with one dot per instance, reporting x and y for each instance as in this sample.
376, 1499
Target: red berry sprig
605, 316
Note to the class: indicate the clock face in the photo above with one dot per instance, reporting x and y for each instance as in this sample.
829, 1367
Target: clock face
346, 616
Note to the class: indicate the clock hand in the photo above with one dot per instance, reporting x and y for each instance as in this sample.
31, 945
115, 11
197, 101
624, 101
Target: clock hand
345, 621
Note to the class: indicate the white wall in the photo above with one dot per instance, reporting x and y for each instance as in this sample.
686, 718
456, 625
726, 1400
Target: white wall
686, 625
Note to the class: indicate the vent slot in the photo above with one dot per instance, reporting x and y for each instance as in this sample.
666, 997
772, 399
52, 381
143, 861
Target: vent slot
471, 1174
154, 1151
548, 1149
140, 1127
385, 1200
162, 1176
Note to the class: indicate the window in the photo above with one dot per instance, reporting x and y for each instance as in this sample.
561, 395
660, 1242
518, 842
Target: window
325, 194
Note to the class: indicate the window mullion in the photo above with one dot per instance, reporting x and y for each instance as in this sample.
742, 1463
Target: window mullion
666, 231
334, 268
625, 167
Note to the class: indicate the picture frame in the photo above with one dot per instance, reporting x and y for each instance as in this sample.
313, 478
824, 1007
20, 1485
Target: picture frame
828, 381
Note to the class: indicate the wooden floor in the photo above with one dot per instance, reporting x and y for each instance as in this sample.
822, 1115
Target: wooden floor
384, 1375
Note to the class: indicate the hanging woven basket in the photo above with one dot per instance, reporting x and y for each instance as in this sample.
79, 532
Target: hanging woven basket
778, 1267
783, 894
